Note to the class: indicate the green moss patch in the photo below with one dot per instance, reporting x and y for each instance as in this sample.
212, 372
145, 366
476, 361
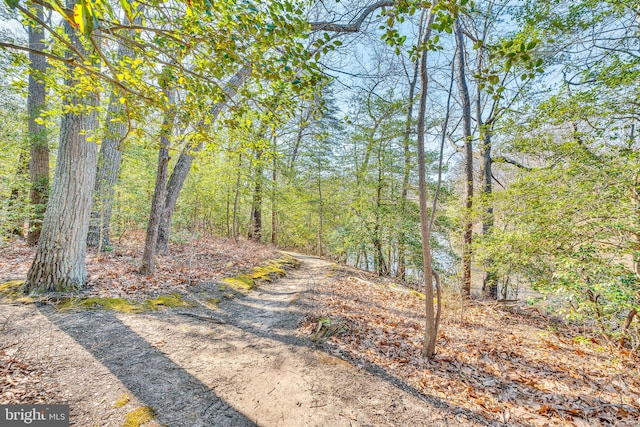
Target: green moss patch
139, 417
124, 399
96, 303
240, 282
171, 300
120, 304
11, 291
264, 273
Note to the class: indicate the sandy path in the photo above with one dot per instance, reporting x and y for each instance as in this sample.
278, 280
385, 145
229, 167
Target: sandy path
257, 369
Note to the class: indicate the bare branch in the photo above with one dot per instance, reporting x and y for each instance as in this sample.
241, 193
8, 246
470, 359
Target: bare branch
353, 26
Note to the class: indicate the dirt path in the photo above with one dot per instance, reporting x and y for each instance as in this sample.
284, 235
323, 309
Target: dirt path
255, 369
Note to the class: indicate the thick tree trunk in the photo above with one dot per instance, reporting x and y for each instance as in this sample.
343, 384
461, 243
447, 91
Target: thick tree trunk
468, 164
148, 266
38, 143
183, 165
59, 263
431, 330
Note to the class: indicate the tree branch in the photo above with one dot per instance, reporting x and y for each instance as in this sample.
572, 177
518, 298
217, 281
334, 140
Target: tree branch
355, 24
502, 159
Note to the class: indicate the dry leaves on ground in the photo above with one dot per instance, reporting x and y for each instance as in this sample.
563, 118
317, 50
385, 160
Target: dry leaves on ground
502, 365
19, 382
115, 273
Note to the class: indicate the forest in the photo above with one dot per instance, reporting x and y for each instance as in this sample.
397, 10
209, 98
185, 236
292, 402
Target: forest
477, 153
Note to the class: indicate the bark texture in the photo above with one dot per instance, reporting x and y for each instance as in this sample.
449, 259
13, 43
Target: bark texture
468, 160
37, 133
59, 263
183, 165
109, 162
148, 266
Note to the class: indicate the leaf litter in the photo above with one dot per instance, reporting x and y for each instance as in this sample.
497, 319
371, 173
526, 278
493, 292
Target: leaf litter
510, 365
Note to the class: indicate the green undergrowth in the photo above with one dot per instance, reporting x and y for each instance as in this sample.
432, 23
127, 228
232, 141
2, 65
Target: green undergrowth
267, 272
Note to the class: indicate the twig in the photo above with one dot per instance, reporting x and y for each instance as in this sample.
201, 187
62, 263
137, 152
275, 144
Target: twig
198, 316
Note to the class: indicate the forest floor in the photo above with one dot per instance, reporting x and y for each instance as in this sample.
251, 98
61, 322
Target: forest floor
326, 345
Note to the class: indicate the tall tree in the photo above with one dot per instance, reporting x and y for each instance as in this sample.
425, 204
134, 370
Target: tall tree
465, 100
37, 131
431, 324
59, 263
117, 126
160, 190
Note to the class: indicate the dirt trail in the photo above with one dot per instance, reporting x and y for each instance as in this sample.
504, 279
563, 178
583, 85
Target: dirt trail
255, 369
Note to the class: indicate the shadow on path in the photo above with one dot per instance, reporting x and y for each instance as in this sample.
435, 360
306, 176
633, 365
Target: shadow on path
177, 397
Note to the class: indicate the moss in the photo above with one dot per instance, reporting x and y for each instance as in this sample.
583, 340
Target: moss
124, 399
122, 305
240, 282
96, 303
222, 288
212, 302
138, 417
12, 291
171, 300
11, 286
417, 294
263, 273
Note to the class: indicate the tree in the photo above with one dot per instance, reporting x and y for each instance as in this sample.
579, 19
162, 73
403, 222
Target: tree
151, 240
117, 125
59, 263
37, 133
465, 99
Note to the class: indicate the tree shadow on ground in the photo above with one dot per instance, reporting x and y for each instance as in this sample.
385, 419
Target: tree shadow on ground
177, 397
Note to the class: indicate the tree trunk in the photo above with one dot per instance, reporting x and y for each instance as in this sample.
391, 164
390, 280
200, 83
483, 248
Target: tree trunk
320, 215
489, 281
274, 177
406, 140
431, 331
468, 164
59, 263
234, 224
380, 264
38, 143
183, 165
255, 228
149, 256
109, 161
